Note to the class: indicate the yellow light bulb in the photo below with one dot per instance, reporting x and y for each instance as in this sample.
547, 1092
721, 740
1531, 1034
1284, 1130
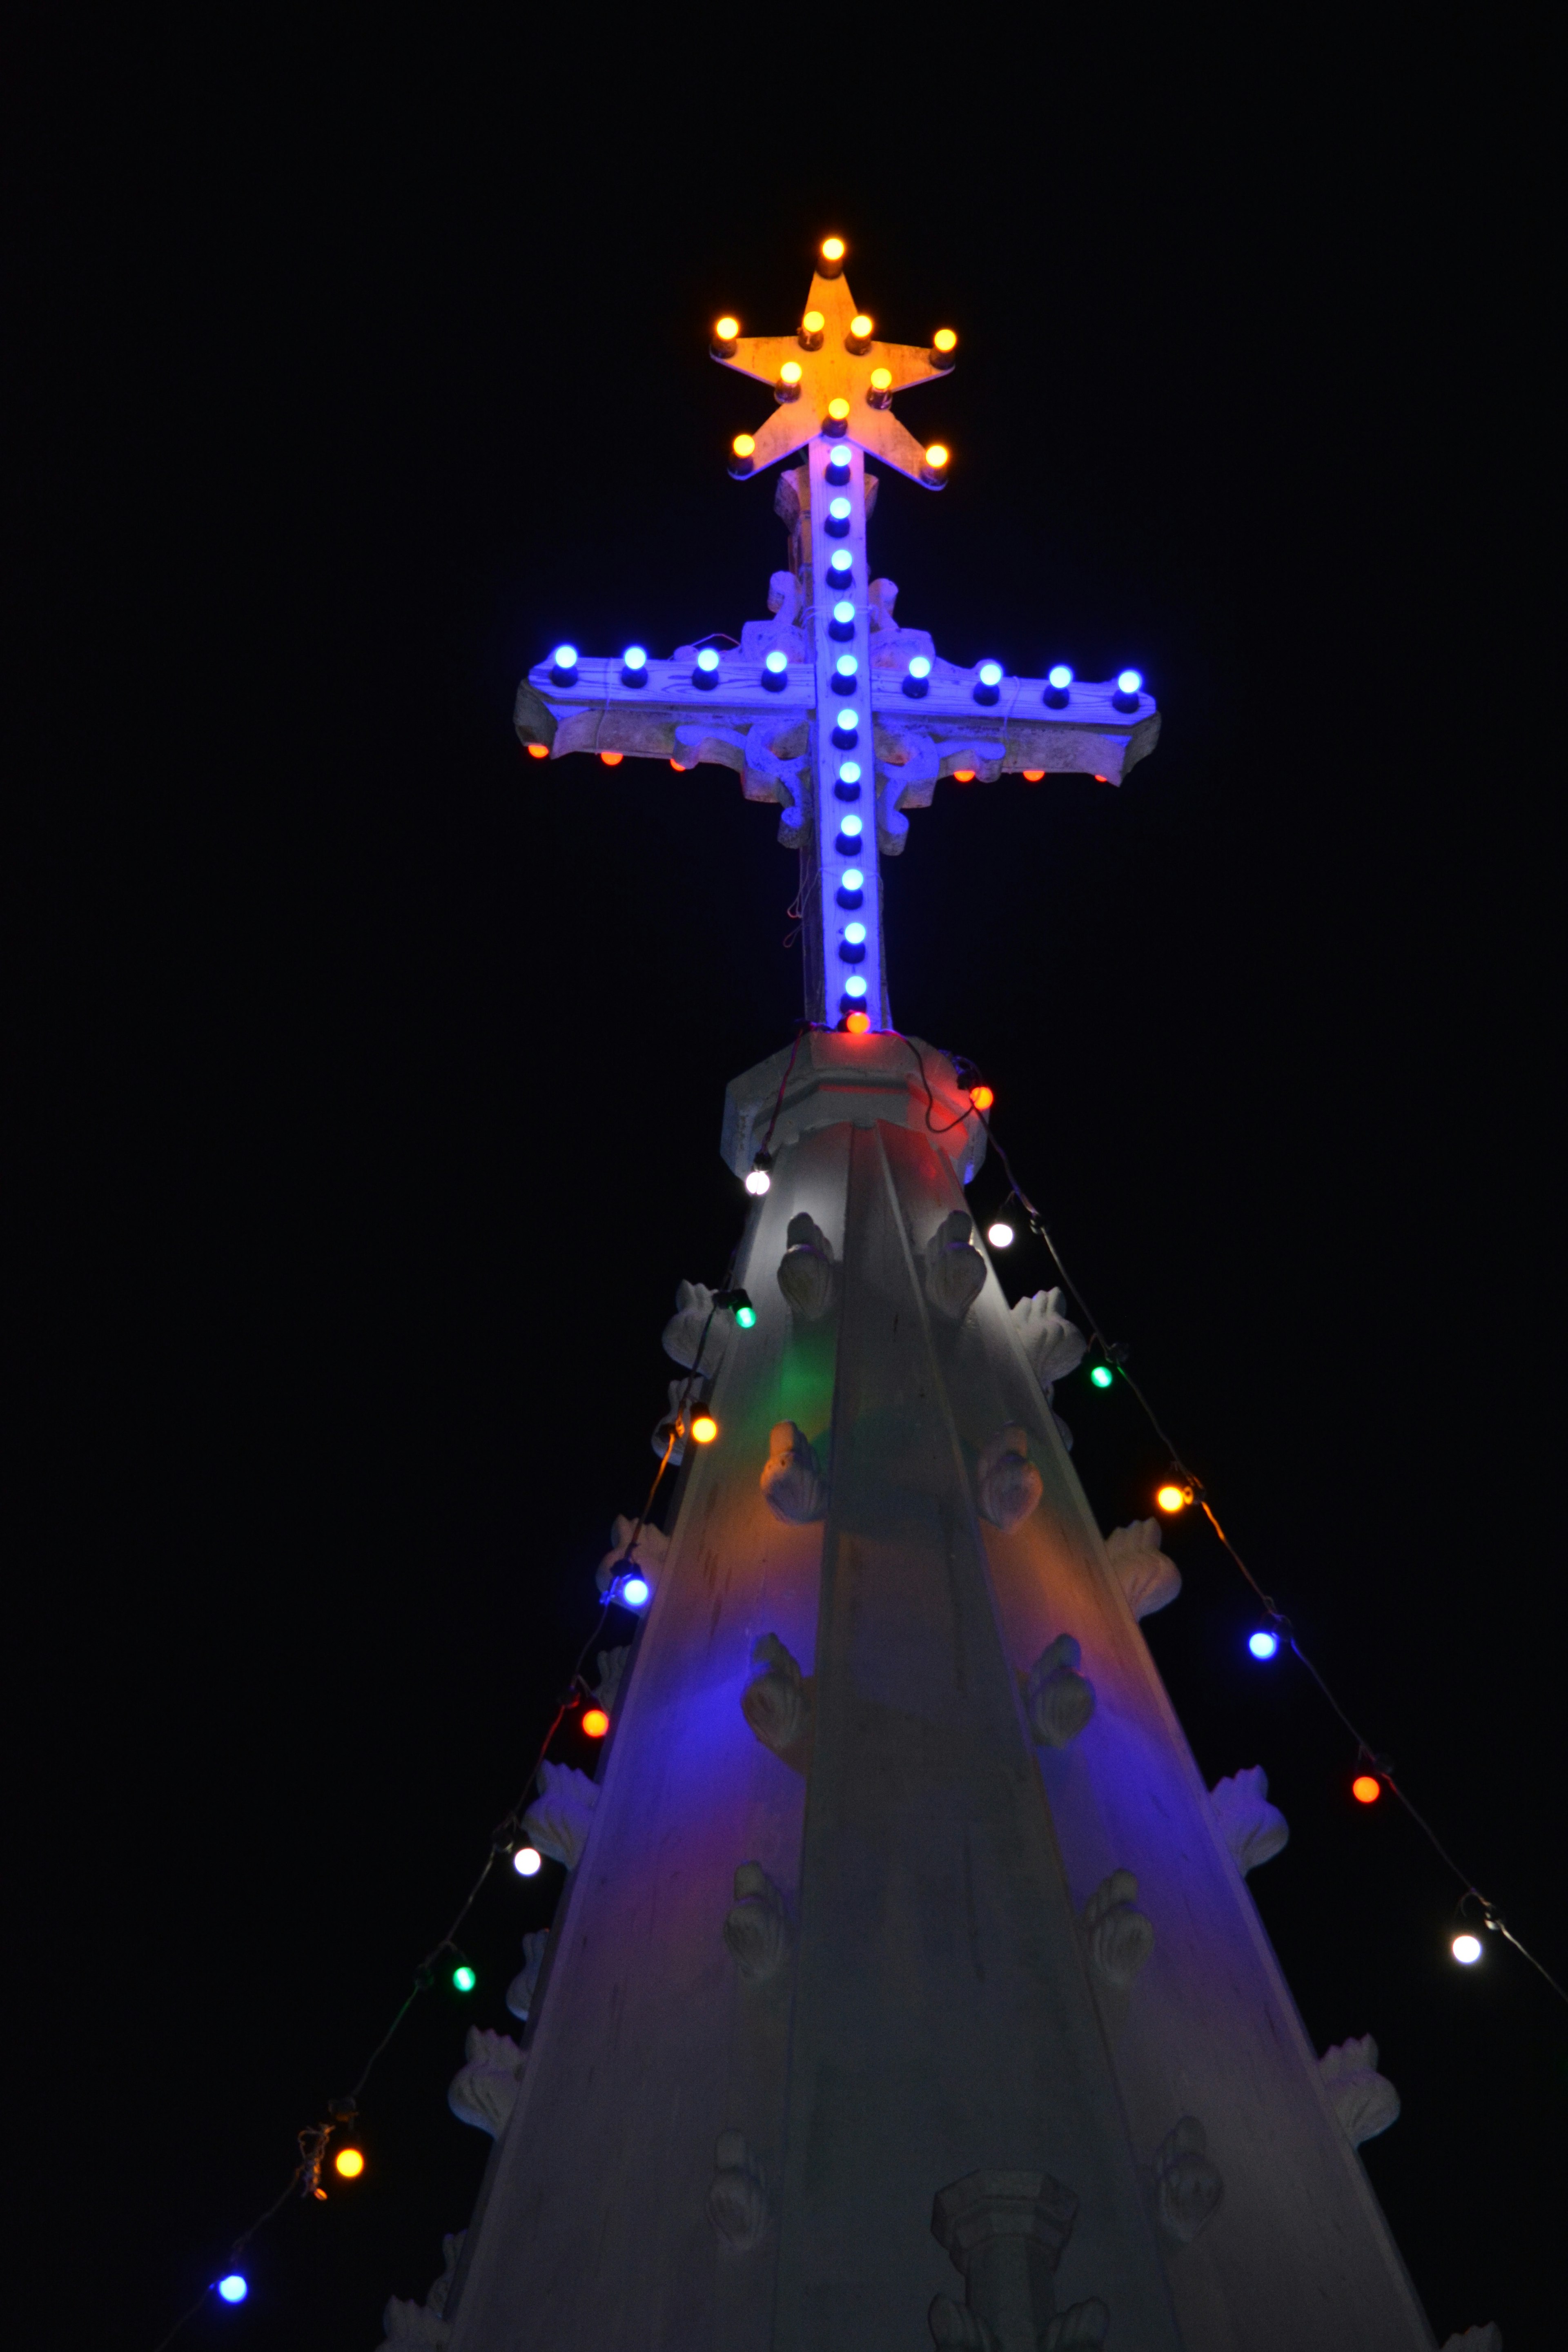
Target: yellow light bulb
881, 379
814, 322
860, 327
743, 445
838, 410
790, 371
349, 2163
704, 1428
1171, 1498
832, 248
944, 340
936, 455
726, 329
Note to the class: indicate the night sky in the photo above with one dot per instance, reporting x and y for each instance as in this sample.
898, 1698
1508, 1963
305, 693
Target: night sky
373, 1072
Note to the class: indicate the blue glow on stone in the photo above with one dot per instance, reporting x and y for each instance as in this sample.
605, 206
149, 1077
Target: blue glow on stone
1060, 676
234, 2288
1263, 1644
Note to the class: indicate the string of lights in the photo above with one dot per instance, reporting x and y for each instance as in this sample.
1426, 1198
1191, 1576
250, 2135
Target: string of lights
1277, 1630
305, 2180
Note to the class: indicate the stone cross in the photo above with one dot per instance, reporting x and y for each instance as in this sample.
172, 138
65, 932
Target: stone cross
831, 708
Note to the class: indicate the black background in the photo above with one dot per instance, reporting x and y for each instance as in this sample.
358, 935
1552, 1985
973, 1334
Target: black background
373, 1073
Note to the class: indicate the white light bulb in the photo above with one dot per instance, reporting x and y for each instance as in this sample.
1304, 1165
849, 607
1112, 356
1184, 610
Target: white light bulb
855, 934
1467, 1950
852, 828
844, 612
990, 673
1001, 1234
708, 658
527, 1862
757, 1181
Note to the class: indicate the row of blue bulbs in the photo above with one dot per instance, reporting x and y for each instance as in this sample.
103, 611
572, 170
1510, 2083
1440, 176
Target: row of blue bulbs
987, 688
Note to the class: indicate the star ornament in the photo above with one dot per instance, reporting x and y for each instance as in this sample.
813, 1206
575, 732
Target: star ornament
833, 376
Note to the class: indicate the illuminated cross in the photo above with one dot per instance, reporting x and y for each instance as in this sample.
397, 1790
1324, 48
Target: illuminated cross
831, 708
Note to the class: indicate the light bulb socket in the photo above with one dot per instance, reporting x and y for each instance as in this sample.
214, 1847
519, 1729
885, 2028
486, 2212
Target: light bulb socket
841, 570
742, 467
775, 681
844, 736
849, 897
563, 673
943, 361
634, 673
838, 466
706, 680
849, 845
934, 477
1058, 696
839, 525
723, 347
845, 791
836, 428
877, 398
809, 341
851, 952
984, 693
829, 264
856, 1003
857, 345
783, 391
916, 688
845, 682
1120, 701
841, 632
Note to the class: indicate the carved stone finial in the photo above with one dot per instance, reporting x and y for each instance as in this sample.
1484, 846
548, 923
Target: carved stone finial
484, 2091
561, 1816
1476, 2339
808, 1275
737, 2201
793, 1487
776, 1703
955, 1269
612, 1667
1004, 2231
1008, 1483
1254, 1830
1057, 1699
1366, 2102
525, 1984
424, 2324
1119, 1936
650, 1550
1187, 2186
757, 1927
685, 1396
1054, 1346
1148, 1579
683, 1334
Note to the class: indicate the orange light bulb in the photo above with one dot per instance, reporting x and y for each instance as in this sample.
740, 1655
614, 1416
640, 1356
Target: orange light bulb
539, 750
743, 445
944, 340
936, 457
595, 1723
1365, 1790
982, 1097
790, 373
832, 248
814, 322
963, 775
860, 327
1170, 1499
348, 2163
858, 1023
681, 767
726, 329
704, 1428
611, 758
1034, 775
838, 410
881, 379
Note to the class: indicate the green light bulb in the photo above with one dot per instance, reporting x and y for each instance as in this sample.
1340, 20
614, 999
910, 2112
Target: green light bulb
746, 1316
1102, 1376
464, 1978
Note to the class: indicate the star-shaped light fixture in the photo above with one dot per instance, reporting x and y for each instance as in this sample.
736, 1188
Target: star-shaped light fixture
833, 376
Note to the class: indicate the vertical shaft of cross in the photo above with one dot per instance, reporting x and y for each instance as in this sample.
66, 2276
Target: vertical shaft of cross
842, 920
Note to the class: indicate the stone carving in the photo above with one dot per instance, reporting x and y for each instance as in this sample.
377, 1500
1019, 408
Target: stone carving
1057, 1699
1119, 1937
757, 1929
793, 1487
1187, 2186
650, 1551
1476, 2339
1005, 2231
1054, 1346
1008, 1483
737, 2201
683, 1334
1148, 1579
612, 1668
1254, 1830
561, 1816
484, 2092
955, 1269
808, 1275
776, 1703
685, 1396
425, 2323
525, 1984
1366, 2102
759, 638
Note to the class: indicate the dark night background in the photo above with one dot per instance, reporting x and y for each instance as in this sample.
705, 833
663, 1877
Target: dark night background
373, 1076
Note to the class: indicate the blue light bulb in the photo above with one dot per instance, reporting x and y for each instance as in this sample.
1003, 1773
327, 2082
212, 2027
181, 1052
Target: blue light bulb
235, 2287
852, 826
839, 509
563, 657
635, 1591
855, 934
844, 613
1263, 1644
776, 661
1129, 681
848, 719
850, 772
708, 658
853, 879
1059, 676
846, 666
920, 666
635, 657
990, 673
855, 986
